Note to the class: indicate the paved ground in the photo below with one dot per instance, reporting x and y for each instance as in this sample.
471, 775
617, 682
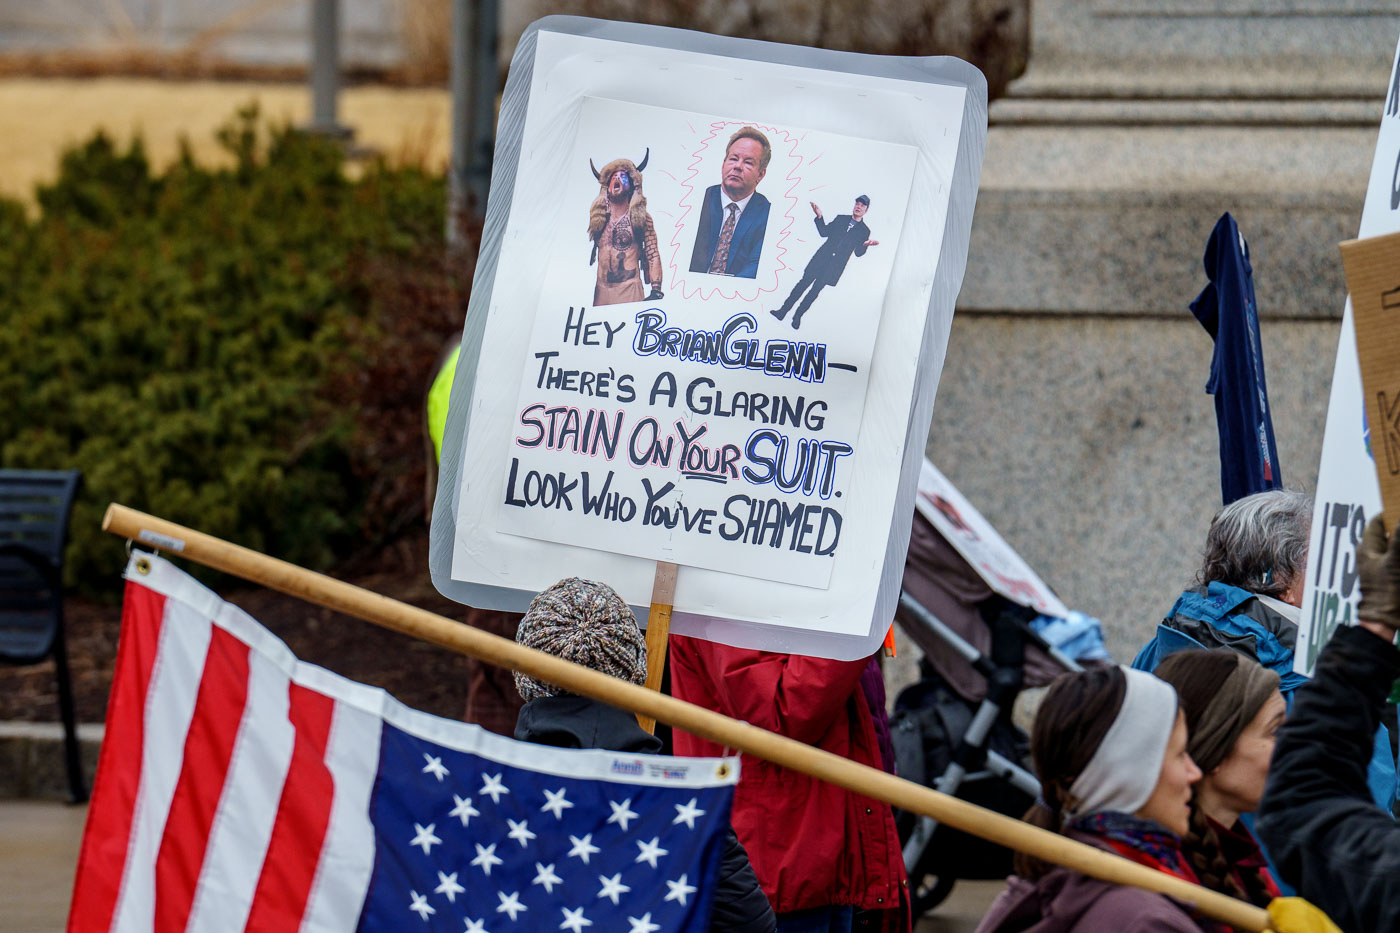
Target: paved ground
963, 909
39, 851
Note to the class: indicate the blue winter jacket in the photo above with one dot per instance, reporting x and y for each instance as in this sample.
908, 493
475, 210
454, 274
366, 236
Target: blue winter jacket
1223, 616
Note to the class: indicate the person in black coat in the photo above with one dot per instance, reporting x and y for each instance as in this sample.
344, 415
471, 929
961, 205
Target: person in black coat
844, 236
589, 624
1317, 818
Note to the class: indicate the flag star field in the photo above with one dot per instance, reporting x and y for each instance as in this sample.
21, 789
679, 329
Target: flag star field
539, 851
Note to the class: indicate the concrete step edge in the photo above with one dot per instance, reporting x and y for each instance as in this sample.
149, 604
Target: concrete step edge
32, 763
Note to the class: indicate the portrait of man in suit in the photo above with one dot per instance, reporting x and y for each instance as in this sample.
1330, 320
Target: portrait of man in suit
845, 236
734, 216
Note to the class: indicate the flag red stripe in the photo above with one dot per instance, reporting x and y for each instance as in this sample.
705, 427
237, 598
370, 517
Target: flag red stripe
303, 814
102, 859
223, 692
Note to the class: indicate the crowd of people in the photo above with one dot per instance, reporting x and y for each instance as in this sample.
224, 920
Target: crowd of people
1164, 763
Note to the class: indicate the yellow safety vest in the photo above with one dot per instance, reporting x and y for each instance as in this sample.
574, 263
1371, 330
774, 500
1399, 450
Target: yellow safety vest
439, 394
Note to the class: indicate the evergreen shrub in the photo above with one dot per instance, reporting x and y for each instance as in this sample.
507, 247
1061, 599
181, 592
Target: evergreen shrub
243, 349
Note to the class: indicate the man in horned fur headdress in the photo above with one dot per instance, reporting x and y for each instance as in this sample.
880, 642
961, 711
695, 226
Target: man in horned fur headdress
623, 235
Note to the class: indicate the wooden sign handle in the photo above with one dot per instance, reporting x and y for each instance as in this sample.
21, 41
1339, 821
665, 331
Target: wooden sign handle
663, 597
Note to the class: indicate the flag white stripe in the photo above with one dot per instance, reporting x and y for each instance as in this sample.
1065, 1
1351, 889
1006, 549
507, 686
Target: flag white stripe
170, 699
347, 855
242, 827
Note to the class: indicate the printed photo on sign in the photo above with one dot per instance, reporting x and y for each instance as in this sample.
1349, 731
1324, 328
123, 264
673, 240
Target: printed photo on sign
707, 400
733, 214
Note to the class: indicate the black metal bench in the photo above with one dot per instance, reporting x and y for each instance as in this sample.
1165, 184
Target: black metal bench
34, 510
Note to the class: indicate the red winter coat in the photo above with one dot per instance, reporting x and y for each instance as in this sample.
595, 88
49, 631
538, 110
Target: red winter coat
812, 844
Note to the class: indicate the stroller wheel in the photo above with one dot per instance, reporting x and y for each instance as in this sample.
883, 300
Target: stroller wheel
930, 891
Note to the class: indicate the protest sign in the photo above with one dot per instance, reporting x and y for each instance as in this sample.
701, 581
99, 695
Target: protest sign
1348, 492
1373, 285
972, 536
733, 370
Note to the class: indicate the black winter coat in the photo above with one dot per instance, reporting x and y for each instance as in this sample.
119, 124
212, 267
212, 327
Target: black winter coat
829, 261
578, 722
1317, 818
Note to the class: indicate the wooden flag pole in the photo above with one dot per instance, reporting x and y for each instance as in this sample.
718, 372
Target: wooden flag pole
663, 597
731, 733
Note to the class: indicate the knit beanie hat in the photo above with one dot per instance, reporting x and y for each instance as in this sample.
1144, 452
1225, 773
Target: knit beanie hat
584, 622
1125, 768
1221, 692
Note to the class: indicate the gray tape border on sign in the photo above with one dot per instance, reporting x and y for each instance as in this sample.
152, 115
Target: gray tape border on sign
947, 282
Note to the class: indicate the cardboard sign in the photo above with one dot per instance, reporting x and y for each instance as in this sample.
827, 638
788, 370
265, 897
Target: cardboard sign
706, 327
1373, 281
980, 545
1348, 492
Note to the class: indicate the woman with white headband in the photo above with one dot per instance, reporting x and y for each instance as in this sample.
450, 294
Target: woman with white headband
1109, 745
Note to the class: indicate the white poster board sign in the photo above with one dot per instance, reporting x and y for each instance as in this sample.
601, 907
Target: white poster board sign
1348, 492
725, 429
972, 536
714, 295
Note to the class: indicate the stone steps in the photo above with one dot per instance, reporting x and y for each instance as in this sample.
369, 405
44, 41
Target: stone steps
1051, 76
1028, 111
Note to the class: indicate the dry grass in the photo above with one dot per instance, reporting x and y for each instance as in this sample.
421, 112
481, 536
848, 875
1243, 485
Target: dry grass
39, 117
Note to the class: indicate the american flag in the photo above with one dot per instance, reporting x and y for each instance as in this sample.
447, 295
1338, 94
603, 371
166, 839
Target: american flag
241, 789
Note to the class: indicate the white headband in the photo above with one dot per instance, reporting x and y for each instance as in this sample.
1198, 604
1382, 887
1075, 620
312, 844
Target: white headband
1128, 762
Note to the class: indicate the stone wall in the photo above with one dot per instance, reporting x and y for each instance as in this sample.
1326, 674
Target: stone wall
1071, 408
992, 34
410, 36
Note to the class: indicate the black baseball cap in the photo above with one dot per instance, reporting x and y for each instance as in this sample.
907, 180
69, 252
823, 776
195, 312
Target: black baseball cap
864, 200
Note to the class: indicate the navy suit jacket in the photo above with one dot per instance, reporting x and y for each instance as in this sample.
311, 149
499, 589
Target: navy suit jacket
744, 245
829, 261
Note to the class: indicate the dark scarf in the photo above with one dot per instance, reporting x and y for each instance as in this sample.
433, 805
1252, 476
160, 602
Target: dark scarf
1146, 842
1243, 855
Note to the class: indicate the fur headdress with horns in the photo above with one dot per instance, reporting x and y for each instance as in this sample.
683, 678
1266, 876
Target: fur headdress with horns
637, 208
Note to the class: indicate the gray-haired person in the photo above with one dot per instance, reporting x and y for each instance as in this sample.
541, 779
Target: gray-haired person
1247, 596
589, 624
1248, 590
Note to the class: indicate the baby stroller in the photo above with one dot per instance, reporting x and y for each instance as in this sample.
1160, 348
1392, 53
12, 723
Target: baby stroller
952, 730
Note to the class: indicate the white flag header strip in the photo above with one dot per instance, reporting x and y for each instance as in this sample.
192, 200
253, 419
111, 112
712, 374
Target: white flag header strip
169, 709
